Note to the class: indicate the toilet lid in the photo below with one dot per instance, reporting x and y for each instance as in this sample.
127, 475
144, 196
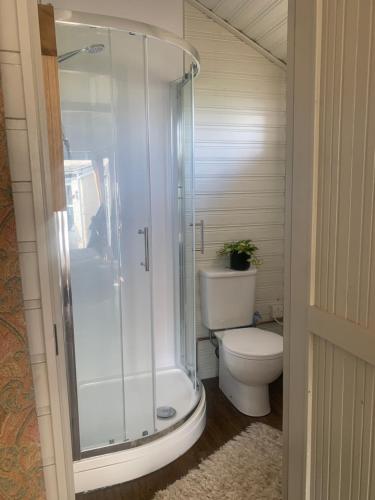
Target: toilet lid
253, 343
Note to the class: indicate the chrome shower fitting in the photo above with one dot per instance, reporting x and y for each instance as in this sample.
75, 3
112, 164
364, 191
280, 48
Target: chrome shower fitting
95, 48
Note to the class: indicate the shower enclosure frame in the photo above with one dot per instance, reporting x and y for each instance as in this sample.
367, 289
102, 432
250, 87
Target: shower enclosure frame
147, 31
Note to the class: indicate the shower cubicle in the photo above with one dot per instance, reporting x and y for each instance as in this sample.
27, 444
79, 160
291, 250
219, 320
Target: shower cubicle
129, 233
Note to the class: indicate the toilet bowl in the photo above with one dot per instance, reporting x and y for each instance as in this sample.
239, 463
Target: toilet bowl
249, 358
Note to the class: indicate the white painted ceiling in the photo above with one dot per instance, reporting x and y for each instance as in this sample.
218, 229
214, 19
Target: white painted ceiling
264, 21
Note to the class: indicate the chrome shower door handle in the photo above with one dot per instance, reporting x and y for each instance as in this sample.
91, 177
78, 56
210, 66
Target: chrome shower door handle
146, 263
201, 223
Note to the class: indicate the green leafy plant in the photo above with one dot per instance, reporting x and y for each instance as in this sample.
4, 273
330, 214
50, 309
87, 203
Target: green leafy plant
246, 247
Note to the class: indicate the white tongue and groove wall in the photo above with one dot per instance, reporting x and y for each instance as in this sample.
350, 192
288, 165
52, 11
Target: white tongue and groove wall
240, 158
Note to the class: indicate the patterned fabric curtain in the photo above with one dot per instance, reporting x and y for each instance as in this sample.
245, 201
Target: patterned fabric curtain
21, 475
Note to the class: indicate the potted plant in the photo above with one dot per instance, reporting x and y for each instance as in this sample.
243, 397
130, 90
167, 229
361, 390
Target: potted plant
242, 254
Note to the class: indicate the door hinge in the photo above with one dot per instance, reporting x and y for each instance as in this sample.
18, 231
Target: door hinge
56, 341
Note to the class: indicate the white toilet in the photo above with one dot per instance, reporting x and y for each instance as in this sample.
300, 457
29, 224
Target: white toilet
249, 358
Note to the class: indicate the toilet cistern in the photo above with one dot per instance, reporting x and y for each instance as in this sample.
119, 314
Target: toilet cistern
249, 358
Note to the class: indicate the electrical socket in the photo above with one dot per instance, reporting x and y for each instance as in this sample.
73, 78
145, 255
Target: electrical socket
277, 310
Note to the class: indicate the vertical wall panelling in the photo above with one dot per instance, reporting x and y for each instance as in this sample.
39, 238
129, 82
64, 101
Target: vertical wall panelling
342, 315
240, 153
343, 427
346, 162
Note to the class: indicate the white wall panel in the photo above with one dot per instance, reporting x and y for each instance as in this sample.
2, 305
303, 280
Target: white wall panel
342, 424
40, 378
206, 43
238, 201
230, 167
24, 212
9, 30
18, 155
241, 185
14, 101
238, 136
264, 21
260, 85
46, 440
227, 99
50, 481
34, 324
345, 246
343, 317
240, 156
208, 363
235, 66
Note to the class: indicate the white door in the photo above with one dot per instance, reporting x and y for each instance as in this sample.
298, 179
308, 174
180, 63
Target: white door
330, 340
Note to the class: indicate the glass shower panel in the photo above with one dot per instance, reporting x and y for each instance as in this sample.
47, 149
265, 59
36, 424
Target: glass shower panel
93, 233
165, 68
131, 105
188, 226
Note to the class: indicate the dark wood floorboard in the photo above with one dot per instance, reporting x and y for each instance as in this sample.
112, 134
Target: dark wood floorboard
223, 423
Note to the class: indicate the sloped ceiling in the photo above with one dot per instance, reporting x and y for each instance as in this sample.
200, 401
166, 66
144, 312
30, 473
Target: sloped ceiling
264, 21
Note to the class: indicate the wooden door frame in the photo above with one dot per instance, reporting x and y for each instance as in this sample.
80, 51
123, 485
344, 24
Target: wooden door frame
302, 128
37, 116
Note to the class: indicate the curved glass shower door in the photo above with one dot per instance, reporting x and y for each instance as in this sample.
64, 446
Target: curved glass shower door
184, 116
131, 110
93, 236
127, 114
104, 111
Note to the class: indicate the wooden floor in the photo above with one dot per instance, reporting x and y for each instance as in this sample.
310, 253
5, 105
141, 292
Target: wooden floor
223, 422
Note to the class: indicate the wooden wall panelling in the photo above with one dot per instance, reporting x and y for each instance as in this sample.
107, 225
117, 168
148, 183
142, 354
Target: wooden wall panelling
52, 101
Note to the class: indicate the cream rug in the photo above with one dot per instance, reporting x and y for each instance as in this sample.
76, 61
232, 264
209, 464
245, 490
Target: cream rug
246, 468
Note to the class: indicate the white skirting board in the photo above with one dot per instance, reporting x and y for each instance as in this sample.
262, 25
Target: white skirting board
208, 364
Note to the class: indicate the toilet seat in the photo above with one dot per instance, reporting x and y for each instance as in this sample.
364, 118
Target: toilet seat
253, 343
